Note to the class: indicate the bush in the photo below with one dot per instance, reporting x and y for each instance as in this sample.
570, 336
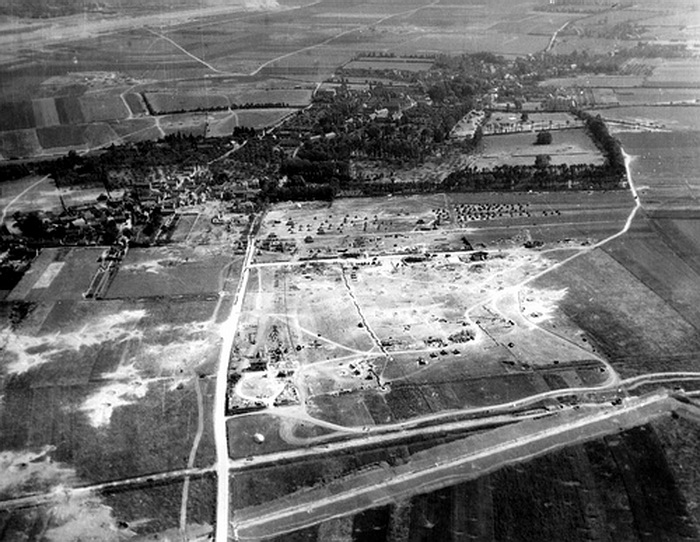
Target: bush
544, 138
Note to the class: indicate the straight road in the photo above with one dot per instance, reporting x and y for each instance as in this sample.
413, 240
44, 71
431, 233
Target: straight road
228, 331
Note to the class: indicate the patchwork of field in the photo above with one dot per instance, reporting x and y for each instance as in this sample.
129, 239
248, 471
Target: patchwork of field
115, 389
617, 485
636, 300
105, 391
111, 515
263, 58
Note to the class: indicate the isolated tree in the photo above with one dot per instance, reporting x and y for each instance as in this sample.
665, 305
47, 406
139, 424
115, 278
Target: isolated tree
542, 161
32, 226
543, 138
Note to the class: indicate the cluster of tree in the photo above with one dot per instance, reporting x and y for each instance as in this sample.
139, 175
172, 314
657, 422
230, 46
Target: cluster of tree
472, 63
316, 172
541, 176
242, 133
296, 190
11, 172
460, 88
608, 145
645, 49
390, 54
249, 105
544, 137
140, 157
624, 30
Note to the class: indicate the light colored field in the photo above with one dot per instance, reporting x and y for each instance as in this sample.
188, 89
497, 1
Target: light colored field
483, 41
261, 118
512, 122
643, 96
606, 81
568, 44
568, 147
45, 112
103, 107
221, 124
675, 118
676, 73
388, 64
184, 123
347, 329
168, 271
168, 102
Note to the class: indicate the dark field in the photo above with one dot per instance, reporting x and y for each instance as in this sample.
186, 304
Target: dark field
634, 327
16, 116
75, 266
639, 300
151, 436
413, 398
621, 487
132, 511
61, 136
281, 53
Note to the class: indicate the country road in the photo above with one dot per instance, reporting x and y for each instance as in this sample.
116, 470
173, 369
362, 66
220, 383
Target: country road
228, 332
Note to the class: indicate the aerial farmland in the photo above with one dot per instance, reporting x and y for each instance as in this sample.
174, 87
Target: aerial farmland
349, 271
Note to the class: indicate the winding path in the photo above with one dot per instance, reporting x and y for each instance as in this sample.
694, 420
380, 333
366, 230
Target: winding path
20, 196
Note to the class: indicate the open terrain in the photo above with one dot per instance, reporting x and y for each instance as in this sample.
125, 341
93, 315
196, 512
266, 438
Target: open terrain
445, 366
106, 391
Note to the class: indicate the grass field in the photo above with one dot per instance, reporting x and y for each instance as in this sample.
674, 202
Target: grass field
388, 64
101, 107
45, 112
661, 118
136, 104
593, 81
168, 271
261, 118
568, 147
642, 96
169, 103
16, 116
676, 73
19, 143
60, 137
635, 327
